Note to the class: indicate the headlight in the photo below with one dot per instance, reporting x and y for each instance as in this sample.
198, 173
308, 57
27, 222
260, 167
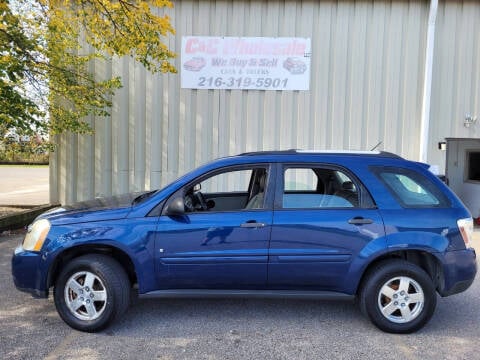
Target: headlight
36, 235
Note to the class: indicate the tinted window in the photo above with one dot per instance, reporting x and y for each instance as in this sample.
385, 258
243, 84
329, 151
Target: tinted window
232, 181
300, 179
231, 190
473, 166
310, 188
411, 188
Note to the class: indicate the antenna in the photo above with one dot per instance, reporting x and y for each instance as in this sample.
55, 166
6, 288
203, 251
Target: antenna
376, 146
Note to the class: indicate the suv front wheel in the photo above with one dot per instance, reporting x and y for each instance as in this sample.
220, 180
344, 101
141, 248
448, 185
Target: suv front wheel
398, 296
91, 292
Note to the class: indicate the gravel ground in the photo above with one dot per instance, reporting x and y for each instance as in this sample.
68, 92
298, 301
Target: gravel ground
231, 329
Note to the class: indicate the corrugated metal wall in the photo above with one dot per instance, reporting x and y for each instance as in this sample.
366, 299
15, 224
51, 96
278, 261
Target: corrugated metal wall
456, 75
366, 87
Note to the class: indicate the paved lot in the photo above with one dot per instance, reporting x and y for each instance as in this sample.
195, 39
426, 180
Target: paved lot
24, 185
231, 329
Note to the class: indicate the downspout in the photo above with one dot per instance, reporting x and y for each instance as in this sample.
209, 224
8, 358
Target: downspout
427, 81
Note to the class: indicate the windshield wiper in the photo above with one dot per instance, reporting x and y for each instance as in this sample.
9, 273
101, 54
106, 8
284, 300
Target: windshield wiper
142, 197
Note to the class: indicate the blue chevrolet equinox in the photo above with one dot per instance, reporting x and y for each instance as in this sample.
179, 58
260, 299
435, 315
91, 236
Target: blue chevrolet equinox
369, 226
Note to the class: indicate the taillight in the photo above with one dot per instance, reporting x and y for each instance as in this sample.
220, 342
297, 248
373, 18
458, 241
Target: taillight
466, 229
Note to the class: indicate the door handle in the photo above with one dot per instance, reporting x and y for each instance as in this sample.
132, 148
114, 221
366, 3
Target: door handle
360, 221
252, 224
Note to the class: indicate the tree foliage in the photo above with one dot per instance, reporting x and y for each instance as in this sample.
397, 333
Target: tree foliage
17, 110
47, 47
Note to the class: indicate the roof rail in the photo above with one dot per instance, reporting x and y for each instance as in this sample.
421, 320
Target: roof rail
323, 152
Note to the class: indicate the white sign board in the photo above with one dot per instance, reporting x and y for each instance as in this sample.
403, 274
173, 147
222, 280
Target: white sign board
252, 63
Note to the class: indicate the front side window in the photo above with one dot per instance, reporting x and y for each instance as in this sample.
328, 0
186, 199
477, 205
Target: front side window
228, 182
316, 187
410, 188
230, 190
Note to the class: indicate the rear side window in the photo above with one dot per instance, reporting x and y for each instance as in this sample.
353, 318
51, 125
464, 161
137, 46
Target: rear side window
300, 180
410, 188
318, 187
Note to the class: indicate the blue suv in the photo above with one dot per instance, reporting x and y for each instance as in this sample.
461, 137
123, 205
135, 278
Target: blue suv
369, 226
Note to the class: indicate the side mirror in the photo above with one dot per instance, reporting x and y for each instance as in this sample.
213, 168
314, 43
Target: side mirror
176, 207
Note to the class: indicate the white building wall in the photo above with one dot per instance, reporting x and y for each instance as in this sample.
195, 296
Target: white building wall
456, 75
366, 87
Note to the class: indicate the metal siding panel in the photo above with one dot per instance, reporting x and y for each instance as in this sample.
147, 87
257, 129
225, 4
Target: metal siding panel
165, 135
54, 175
320, 76
391, 78
475, 89
103, 142
212, 128
414, 55
156, 133
190, 107
306, 99
71, 166
223, 125
138, 128
288, 119
121, 150
85, 159
403, 81
357, 68
237, 118
154, 129
339, 71
132, 110
373, 131
173, 117
115, 113
149, 99
254, 19
121, 118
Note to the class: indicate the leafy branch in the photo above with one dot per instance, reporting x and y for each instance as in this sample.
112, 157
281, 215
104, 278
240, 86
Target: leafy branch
47, 46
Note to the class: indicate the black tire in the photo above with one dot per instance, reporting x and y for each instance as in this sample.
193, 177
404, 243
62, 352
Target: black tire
108, 295
404, 311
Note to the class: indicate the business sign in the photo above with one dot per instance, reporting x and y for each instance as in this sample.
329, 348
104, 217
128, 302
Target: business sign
252, 63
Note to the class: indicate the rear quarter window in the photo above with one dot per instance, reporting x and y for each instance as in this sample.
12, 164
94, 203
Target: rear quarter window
410, 188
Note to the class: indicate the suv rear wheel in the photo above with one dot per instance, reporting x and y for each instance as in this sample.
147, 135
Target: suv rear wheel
398, 296
91, 292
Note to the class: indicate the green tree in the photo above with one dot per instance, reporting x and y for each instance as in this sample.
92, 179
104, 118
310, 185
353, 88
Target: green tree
46, 47
17, 57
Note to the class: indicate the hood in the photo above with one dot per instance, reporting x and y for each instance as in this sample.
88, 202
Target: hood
98, 209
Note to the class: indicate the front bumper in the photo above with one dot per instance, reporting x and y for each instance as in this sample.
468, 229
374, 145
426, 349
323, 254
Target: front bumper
459, 270
28, 274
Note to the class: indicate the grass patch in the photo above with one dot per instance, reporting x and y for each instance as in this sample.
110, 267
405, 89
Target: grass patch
23, 153
24, 165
